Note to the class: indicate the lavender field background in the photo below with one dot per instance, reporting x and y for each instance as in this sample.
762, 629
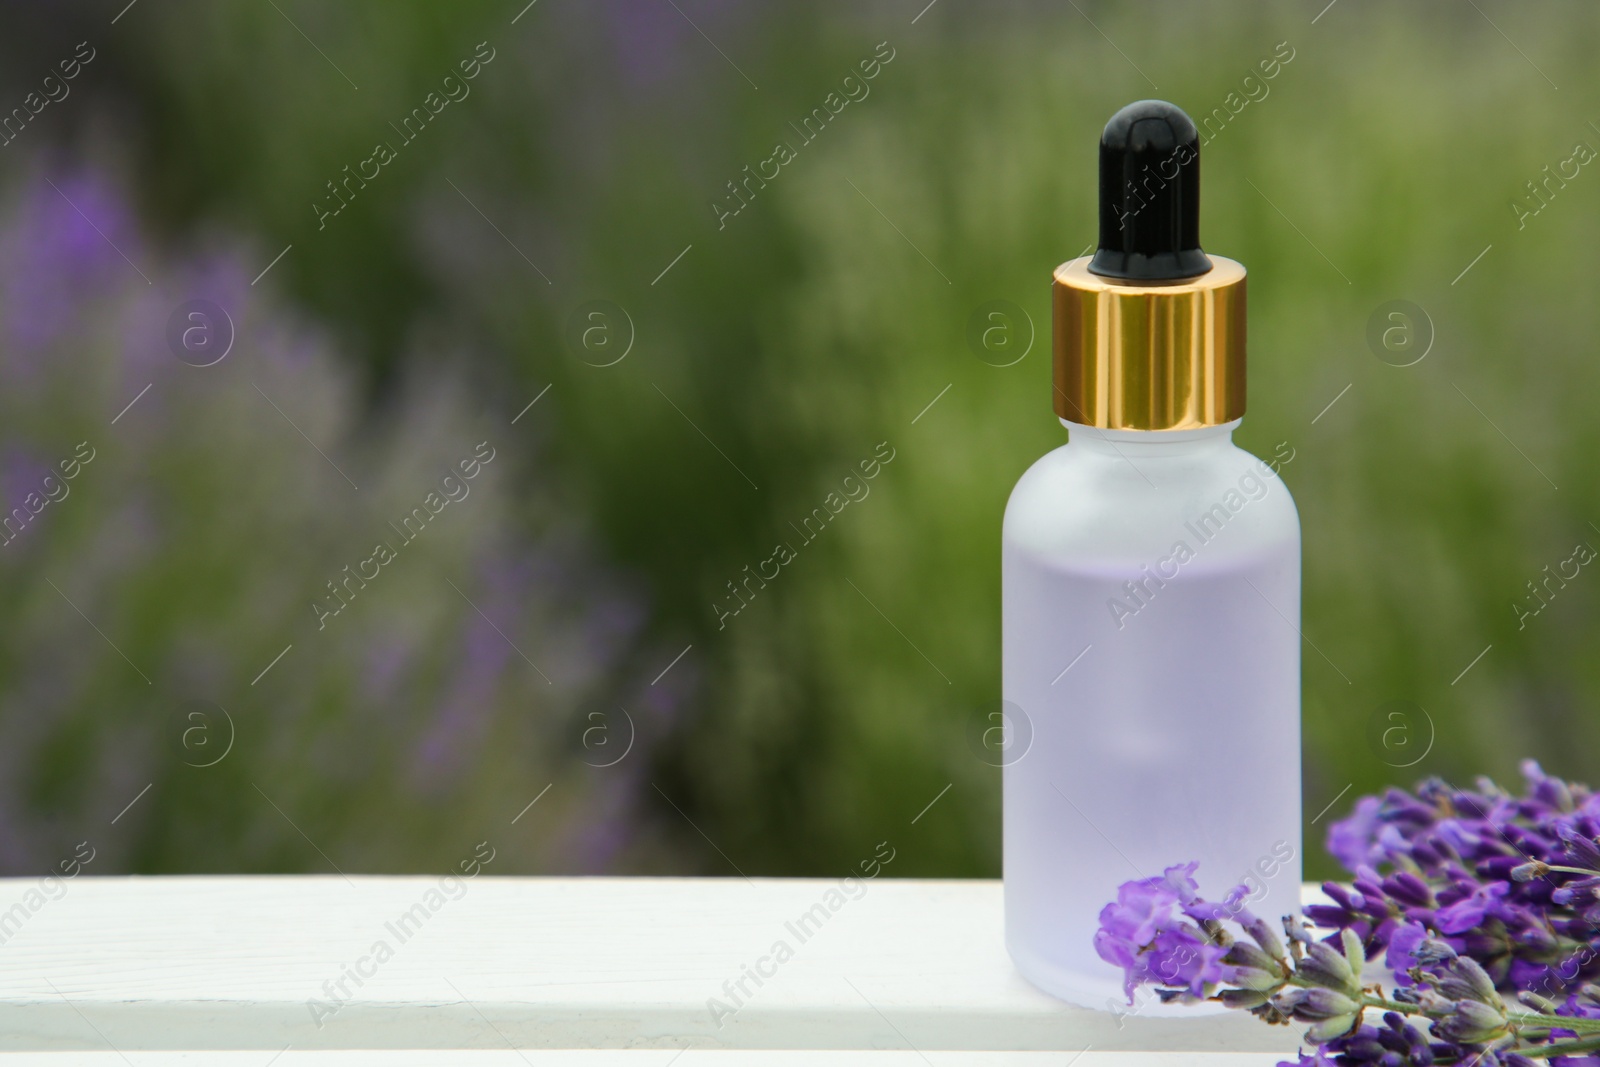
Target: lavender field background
190, 680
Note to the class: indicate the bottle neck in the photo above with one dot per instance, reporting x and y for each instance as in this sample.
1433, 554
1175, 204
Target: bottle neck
1150, 443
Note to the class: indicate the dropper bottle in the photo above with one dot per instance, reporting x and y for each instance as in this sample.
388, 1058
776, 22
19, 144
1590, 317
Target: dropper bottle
1150, 589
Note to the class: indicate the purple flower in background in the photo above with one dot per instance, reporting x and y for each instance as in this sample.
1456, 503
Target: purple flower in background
646, 37
649, 37
228, 564
59, 253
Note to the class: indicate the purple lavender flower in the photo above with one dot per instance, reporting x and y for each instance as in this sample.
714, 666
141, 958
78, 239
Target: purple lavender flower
1351, 839
1472, 894
1469, 912
1152, 934
1316, 1059
1331, 1013
1183, 957
1394, 1043
1143, 907
1403, 946
1472, 1023
1508, 880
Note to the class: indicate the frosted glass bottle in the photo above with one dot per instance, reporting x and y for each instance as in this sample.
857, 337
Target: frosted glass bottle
1151, 604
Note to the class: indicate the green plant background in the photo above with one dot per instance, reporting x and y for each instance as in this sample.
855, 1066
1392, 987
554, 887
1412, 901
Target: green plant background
1383, 158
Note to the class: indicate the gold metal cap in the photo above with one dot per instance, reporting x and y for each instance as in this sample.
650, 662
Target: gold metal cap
1149, 355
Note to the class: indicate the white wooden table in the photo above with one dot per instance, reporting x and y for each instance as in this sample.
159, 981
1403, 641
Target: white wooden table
509, 971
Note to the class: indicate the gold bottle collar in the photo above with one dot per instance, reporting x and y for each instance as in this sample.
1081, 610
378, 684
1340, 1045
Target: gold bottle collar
1149, 356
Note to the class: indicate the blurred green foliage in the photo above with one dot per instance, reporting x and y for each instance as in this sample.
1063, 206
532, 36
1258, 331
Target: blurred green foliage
819, 321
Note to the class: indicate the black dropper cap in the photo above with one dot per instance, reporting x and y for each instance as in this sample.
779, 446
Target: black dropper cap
1150, 195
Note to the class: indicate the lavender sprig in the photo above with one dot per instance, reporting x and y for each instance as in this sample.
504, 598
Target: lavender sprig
1513, 882
1447, 1010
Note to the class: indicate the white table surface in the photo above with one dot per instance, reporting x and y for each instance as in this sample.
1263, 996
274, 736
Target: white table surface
137, 970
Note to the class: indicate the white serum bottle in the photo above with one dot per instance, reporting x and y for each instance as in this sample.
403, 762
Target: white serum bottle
1150, 590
